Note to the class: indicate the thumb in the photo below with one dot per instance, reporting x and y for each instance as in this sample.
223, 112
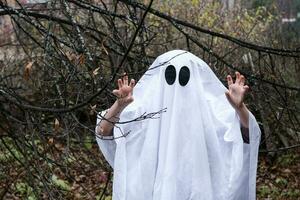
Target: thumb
116, 93
227, 93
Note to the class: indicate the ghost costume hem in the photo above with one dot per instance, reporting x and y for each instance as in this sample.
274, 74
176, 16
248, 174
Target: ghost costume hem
194, 150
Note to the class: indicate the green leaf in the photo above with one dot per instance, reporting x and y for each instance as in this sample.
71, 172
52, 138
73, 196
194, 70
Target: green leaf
62, 184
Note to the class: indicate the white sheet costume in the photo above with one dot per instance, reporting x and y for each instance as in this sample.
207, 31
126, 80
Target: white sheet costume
194, 150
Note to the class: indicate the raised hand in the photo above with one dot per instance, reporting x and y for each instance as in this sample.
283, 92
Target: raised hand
124, 92
236, 90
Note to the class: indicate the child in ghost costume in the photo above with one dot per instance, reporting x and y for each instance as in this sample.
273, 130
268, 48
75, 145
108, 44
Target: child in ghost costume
177, 134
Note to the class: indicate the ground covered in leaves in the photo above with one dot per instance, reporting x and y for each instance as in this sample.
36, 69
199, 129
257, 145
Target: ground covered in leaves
278, 178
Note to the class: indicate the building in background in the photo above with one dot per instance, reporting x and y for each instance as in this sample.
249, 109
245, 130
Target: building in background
230, 4
287, 10
8, 44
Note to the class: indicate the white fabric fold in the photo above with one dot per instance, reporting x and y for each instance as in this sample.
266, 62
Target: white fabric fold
192, 151
106, 144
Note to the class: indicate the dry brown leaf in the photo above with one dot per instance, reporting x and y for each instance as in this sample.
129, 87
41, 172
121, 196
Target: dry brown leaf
93, 109
56, 125
50, 141
103, 47
287, 171
96, 71
59, 146
81, 59
72, 57
27, 70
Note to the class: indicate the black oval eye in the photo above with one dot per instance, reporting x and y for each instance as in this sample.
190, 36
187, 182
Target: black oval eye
170, 74
184, 75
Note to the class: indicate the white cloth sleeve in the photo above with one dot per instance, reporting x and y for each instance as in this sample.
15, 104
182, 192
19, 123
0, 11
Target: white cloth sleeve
106, 144
246, 184
254, 134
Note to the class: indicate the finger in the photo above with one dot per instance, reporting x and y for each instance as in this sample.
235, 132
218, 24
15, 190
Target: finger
229, 80
227, 93
246, 87
120, 83
132, 83
242, 80
125, 80
237, 77
116, 93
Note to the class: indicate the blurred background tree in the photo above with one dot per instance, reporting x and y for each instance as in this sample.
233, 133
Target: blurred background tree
59, 61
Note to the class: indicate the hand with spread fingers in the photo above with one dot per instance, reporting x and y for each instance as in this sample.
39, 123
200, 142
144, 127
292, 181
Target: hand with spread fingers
236, 90
124, 95
236, 94
124, 92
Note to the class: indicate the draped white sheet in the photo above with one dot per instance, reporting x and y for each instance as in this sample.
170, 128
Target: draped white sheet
192, 151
